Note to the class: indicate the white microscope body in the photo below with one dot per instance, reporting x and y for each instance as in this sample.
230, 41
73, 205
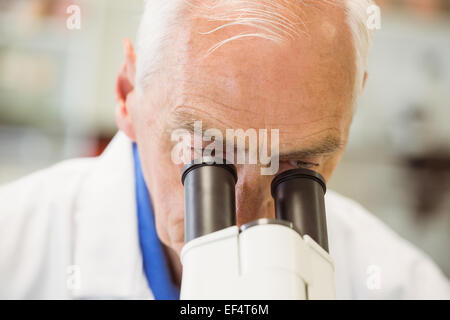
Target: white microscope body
264, 259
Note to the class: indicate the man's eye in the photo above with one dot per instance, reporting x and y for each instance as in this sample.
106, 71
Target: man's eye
303, 164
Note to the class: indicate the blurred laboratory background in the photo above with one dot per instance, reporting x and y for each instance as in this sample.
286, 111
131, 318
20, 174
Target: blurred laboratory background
57, 102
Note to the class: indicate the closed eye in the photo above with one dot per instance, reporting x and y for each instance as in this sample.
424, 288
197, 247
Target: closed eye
303, 164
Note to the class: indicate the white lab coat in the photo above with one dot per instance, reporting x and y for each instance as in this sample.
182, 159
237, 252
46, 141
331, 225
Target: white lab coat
70, 231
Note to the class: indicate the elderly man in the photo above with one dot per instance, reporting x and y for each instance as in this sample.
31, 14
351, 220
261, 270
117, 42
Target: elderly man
112, 227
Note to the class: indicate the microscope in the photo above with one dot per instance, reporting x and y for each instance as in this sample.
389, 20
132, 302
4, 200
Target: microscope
283, 258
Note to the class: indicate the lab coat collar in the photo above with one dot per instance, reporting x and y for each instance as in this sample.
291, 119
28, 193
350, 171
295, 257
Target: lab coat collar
106, 247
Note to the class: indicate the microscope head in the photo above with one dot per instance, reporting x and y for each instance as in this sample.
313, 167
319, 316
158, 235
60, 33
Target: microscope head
282, 258
210, 200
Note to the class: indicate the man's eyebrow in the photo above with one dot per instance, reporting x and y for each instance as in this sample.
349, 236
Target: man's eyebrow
185, 120
327, 145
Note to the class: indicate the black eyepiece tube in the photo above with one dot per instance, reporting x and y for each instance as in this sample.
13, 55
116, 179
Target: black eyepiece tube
299, 198
209, 198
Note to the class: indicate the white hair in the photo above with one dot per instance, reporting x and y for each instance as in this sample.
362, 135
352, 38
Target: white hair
276, 20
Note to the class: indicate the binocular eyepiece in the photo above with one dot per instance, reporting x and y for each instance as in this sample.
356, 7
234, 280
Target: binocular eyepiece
210, 205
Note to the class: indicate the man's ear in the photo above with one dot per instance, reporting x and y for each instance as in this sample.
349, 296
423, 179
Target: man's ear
125, 94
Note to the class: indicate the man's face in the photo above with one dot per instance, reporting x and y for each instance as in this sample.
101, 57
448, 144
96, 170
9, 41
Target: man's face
303, 88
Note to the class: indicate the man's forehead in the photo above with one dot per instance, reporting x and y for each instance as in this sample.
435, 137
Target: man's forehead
257, 78
303, 89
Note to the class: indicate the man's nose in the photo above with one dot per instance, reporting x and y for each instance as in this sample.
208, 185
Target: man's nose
253, 198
